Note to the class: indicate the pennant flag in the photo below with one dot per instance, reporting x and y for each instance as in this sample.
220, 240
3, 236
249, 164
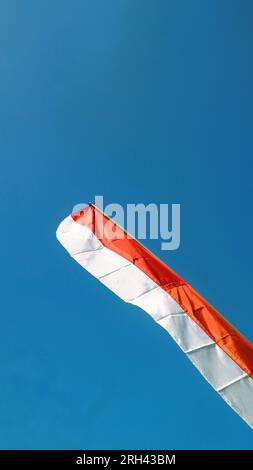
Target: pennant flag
216, 348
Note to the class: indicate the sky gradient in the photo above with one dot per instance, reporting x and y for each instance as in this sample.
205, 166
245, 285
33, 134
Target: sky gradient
140, 101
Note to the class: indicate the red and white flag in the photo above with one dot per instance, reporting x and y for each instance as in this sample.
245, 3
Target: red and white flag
220, 353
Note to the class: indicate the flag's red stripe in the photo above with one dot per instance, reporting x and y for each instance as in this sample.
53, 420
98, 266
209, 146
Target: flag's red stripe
198, 309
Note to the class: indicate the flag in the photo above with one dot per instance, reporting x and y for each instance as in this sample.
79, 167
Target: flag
220, 353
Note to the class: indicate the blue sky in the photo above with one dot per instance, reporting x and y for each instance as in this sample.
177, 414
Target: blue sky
140, 101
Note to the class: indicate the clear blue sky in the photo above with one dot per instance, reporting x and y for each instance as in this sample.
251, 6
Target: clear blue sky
141, 101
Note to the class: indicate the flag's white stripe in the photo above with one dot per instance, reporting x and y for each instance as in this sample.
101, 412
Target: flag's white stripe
243, 376
187, 334
239, 396
134, 286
